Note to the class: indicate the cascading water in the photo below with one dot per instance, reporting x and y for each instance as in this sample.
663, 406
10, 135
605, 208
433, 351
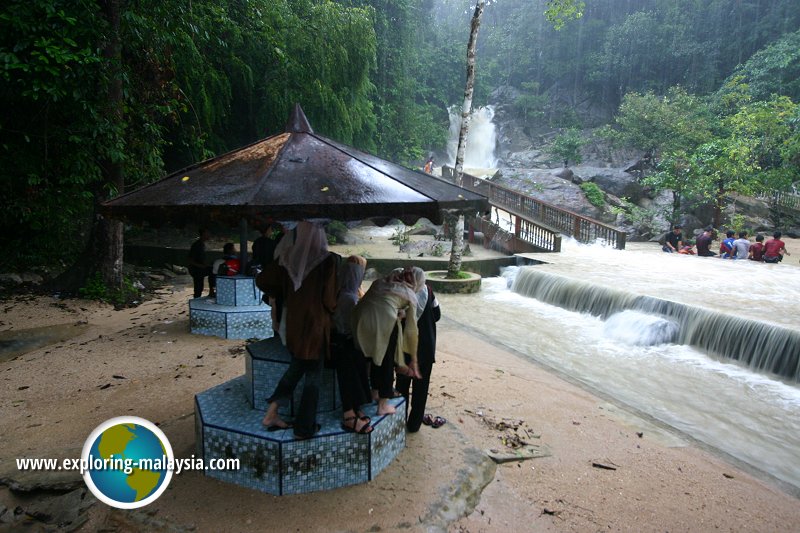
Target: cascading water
755, 344
751, 416
481, 139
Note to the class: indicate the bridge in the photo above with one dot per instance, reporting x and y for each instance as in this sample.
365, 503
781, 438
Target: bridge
537, 225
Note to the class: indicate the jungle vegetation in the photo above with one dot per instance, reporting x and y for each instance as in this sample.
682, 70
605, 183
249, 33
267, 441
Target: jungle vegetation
101, 96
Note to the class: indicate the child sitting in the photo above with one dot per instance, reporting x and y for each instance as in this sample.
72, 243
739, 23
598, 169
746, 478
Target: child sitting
230, 264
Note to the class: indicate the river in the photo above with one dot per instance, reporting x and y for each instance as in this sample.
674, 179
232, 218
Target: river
750, 415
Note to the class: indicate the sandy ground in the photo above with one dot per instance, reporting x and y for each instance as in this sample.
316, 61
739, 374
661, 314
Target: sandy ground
144, 362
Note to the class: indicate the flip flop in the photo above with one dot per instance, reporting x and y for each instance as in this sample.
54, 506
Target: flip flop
438, 422
427, 420
366, 429
276, 427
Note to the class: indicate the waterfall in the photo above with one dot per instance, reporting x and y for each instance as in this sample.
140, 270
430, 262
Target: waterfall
755, 344
481, 139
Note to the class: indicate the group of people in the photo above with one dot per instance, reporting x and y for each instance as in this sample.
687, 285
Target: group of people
771, 251
230, 264
368, 336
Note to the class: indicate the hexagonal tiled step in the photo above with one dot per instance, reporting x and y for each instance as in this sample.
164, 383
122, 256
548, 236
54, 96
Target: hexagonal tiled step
237, 291
277, 463
207, 317
266, 362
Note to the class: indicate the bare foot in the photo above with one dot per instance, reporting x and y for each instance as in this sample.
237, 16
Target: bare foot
274, 422
385, 408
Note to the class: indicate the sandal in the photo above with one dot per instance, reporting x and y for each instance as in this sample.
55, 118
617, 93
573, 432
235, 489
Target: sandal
365, 429
433, 421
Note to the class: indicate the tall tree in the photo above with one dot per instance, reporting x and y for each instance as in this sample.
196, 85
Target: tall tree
457, 245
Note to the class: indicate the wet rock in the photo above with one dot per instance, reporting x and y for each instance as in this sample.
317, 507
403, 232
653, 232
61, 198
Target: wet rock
67, 511
612, 180
177, 269
30, 481
529, 451
566, 174
32, 278
10, 279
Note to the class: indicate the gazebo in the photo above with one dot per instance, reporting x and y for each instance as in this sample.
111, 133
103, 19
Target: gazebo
290, 176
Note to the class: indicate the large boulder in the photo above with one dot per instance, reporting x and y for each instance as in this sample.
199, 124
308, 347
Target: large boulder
548, 188
612, 180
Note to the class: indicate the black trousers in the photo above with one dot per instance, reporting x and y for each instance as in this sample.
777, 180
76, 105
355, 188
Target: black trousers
351, 372
198, 276
418, 390
382, 377
305, 422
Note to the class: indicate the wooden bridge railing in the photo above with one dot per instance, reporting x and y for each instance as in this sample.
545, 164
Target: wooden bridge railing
531, 213
783, 199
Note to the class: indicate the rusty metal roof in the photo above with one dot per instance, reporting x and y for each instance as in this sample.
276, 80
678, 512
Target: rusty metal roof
292, 176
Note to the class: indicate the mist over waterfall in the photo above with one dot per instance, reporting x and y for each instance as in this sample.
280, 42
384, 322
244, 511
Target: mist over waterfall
481, 139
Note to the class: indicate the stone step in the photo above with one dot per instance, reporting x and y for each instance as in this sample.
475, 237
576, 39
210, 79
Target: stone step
277, 463
265, 363
207, 317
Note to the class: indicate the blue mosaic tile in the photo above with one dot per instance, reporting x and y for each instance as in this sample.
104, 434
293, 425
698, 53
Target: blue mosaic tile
266, 362
275, 462
388, 438
238, 291
245, 322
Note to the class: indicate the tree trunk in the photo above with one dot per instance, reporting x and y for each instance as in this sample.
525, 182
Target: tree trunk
108, 233
457, 247
718, 205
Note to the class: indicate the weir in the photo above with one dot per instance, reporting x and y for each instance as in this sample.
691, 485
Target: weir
757, 345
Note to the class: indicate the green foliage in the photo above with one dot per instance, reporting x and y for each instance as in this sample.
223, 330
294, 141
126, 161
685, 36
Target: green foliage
336, 231
594, 194
646, 220
95, 289
773, 70
401, 236
567, 146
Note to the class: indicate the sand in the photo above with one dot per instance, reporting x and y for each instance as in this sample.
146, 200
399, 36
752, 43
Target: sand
144, 362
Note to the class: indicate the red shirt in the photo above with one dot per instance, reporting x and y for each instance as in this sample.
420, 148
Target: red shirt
771, 248
757, 250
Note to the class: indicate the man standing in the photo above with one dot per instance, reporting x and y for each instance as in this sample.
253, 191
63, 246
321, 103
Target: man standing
198, 268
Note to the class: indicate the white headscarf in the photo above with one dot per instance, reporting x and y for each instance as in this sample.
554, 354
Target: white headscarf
421, 289
302, 250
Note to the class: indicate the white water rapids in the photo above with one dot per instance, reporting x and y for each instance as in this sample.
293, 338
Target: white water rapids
751, 416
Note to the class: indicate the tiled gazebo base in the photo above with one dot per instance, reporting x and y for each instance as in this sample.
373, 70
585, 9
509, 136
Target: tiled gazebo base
236, 313
266, 362
206, 317
274, 462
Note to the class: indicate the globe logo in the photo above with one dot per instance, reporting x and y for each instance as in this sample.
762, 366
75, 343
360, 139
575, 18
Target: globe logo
128, 462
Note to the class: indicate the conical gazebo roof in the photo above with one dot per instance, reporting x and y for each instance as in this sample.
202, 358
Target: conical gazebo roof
294, 175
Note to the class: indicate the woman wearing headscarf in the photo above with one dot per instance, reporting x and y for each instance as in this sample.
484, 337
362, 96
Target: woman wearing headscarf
379, 333
429, 313
304, 275
351, 368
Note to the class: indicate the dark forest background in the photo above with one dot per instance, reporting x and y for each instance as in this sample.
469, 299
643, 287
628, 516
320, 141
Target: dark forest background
101, 96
